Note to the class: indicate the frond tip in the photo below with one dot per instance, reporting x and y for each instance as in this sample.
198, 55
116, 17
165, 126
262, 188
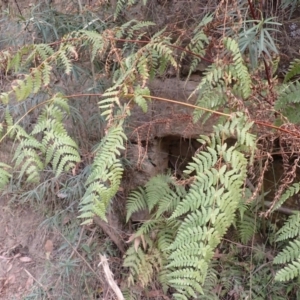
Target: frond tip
105, 178
4, 175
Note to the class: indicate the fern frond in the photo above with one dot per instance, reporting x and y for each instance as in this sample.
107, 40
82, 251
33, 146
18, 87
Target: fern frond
288, 101
290, 228
44, 51
209, 206
294, 69
28, 158
46, 71
289, 253
23, 88
247, 227
136, 201
95, 40
197, 44
291, 190
142, 265
138, 96
64, 60
122, 4
105, 178
238, 70
4, 175
289, 272
211, 90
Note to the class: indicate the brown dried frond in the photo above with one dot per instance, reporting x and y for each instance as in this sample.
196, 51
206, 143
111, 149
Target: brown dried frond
260, 179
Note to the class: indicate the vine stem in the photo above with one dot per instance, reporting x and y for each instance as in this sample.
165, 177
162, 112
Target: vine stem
257, 122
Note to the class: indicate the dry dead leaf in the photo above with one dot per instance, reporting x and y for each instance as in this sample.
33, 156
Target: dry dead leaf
48, 248
144, 242
137, 242
11, 279
25, 259
9, 268
131, 238
29, 283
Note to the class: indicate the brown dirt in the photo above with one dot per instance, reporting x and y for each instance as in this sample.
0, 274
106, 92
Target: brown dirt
51, 256
22, 255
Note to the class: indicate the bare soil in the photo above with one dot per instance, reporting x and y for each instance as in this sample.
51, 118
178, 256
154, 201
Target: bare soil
50, 256
22, 255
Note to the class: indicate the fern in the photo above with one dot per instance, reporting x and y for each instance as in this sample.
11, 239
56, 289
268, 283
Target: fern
247, 227
4, 175
291, 190
199, 217
219, 78
238, 71
135, 202
105, 178
139, 98
294, 69
159, 196
56, 146
290, 253
214, 197
122, 4
289, 272
94, 40
290, 229
197, 44
27, 156
288, 101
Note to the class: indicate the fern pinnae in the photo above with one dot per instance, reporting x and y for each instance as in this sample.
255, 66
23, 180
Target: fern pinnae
291, 190
135, 202
4, 175
106, 167
289, 253
294, 69
289, 272
290, 229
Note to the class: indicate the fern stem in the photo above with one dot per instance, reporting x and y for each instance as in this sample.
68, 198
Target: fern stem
29, 111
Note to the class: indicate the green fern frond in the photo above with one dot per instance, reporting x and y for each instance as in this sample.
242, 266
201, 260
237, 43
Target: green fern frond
56, 146
132, 27
27, 157
36, 76
288, 101
211, 91
94, 39
289, 253
247, 227
23, 88
294, 69
136, 201
139, 99
290, 228
122, 4
142, 265
14, 62
105, 178
289, 272
4, 175
218, 79
209, 206
64, 60
197, 44
291, 191
238, 70
44, 51
157, 188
